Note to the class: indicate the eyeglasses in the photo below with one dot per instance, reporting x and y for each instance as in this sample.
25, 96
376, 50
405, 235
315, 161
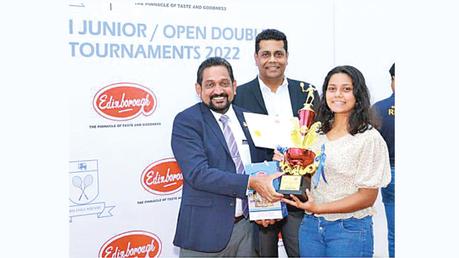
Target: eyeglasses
211, 84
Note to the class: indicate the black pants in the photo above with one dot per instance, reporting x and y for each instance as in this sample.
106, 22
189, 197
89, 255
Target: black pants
267, 242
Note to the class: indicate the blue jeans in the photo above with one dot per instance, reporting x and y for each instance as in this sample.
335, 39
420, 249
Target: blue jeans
345, 237
388, 198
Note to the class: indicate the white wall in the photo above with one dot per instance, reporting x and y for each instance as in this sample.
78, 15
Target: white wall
365, 38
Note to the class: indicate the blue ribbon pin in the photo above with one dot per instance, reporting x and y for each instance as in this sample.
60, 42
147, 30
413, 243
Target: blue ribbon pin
320, 172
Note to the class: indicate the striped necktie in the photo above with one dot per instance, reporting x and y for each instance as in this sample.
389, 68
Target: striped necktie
232, 146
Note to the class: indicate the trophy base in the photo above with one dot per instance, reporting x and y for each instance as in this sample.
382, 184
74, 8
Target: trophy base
296, 185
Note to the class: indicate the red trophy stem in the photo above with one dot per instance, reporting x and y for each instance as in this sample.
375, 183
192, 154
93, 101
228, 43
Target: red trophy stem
306, 117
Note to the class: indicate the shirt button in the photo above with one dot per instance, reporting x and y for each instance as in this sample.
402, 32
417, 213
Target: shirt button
231, 204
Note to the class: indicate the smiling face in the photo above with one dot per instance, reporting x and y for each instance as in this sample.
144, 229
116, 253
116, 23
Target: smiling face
216, 90
340, 94
271, 59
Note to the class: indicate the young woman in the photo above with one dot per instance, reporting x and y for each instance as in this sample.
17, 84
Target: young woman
338, 219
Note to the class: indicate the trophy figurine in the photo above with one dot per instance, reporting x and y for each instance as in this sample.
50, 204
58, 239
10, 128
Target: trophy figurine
300, 162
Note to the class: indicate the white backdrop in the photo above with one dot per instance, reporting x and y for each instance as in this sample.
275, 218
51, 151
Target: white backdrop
124, 186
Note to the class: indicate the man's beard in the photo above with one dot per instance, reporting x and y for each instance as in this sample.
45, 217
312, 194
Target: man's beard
222, 109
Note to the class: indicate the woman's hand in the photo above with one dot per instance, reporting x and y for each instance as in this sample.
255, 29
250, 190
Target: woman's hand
309, 205
278, 156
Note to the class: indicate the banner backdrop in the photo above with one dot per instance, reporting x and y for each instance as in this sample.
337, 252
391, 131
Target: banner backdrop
133, 69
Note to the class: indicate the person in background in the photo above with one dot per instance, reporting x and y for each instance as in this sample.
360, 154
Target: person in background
385, 113
211, 144
272, 93
339, 209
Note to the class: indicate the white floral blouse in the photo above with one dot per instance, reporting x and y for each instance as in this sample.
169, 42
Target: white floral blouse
352, 162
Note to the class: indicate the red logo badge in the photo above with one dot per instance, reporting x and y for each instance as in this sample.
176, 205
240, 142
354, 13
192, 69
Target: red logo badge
162, 177
136, 243
124, 101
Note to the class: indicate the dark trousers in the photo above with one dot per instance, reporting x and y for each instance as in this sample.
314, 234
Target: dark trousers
388, 198
240, 244
267, 242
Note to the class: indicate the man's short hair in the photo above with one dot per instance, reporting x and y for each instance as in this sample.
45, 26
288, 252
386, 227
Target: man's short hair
214, 61
270, 34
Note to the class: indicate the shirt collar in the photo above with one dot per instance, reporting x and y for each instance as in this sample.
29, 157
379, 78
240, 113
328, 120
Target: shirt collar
230, 113
265, 88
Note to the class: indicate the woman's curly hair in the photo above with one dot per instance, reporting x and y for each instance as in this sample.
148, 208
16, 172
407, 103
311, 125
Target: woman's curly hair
361, 117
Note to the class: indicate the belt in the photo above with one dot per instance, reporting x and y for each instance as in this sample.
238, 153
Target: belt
237, 219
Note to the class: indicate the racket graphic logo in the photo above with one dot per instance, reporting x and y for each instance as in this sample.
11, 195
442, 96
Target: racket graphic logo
84, 189
87, 181
83, 186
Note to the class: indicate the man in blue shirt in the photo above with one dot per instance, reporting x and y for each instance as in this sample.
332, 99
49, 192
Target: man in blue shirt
385, 112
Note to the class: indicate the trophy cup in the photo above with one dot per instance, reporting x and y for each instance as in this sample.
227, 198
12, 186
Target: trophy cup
300, 162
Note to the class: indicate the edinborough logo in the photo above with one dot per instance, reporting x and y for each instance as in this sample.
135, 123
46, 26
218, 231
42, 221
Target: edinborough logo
137, 243
162, 177
124, 101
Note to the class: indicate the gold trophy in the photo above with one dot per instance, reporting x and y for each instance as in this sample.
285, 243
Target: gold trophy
299, 162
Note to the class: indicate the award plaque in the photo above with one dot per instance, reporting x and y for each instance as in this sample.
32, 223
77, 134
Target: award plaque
296, 185
299, 162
